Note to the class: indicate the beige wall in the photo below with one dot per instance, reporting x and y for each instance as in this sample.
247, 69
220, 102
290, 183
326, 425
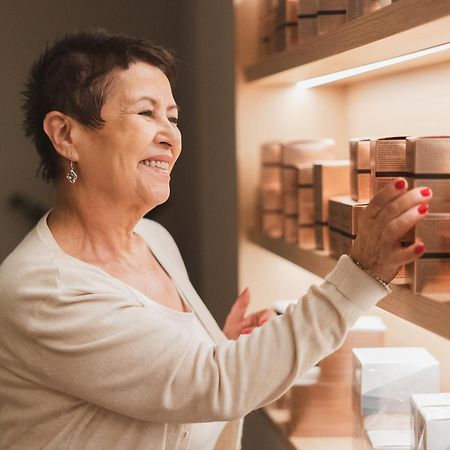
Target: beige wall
413, 102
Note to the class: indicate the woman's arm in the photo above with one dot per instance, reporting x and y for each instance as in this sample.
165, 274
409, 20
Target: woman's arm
104, 349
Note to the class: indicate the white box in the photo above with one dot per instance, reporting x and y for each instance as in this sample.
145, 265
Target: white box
369, 324
424, 400
390, 439
384, 378
435, 423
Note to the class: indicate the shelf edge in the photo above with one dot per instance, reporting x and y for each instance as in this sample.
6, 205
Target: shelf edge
426, 312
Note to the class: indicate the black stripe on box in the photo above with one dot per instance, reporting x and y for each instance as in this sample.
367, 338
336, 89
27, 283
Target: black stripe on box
432, 176
332, 12
343, 233
358, 171
306, 225
436, 256
317, 222
392, 174
417, 176
304, 186
272, 211
307, 16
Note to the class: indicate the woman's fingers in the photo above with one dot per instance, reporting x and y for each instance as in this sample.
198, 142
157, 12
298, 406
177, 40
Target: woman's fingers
385, 222
385, 196
397, 228
408, 254
240, 305
259, 318
236, 320
416, 198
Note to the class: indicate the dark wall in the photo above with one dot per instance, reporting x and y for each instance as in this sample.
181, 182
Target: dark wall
201, 213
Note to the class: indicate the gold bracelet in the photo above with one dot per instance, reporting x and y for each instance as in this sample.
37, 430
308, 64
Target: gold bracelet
383, 283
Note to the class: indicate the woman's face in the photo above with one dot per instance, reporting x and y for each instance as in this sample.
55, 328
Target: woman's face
129, 160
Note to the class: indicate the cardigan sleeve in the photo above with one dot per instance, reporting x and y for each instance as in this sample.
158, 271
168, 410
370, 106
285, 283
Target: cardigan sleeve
107, 350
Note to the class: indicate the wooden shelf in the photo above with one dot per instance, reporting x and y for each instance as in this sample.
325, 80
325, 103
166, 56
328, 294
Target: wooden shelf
429, 312
278, 418
405, 26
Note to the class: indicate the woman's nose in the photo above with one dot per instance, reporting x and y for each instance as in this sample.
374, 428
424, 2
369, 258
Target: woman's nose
168, 133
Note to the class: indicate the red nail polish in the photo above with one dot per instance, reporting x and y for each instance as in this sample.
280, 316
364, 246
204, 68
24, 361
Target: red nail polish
400, 184
263, 322
425, 192
420, 248
246, 331
423, 208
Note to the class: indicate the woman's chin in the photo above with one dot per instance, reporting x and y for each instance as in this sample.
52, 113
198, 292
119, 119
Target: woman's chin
158, 198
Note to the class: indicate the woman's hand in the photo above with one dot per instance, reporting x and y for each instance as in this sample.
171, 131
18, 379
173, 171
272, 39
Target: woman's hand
238, 323
383, 224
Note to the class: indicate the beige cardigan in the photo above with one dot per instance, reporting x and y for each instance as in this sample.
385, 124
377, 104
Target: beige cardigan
85, 365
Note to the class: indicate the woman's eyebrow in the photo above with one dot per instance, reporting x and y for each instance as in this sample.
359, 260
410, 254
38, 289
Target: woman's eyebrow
155, 102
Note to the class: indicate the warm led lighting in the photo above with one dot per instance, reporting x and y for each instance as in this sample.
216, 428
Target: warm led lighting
324, 79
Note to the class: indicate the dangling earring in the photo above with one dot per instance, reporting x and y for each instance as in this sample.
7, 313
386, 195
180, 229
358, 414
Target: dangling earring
72, 175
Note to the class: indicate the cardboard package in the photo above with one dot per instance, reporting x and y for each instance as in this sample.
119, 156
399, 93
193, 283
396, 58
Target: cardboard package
331, 14
331, 178
343, 218
360, 169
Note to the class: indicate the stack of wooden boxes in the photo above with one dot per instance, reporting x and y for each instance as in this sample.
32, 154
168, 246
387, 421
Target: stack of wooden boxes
428, 161
297, 162
271, 191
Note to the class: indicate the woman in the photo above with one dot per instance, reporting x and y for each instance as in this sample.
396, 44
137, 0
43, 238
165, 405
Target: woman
105, 344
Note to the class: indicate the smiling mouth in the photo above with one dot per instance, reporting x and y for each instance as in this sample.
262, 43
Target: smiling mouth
163, 165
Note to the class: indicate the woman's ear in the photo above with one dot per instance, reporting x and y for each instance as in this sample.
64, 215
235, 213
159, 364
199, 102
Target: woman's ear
58, 128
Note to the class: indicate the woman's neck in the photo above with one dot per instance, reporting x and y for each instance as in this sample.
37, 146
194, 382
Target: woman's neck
93, 228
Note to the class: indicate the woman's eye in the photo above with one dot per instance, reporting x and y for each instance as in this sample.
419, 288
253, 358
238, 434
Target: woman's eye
146, 113
174, 120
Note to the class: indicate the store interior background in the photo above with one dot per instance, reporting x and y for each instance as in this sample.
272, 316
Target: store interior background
223, 121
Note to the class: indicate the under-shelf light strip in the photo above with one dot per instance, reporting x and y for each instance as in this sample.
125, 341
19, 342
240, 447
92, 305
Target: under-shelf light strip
330, 78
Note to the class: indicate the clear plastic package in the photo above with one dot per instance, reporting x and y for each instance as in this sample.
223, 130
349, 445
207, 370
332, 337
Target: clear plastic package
384, 379
430, 421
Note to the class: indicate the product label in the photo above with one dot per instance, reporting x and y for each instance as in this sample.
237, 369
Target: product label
431, 156
390, 156
432, 276
441, 194
435, 234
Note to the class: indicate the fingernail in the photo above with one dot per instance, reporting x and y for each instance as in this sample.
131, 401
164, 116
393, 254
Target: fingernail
263, 321
420, 248
400, 184
422, 208
425, 192
246, 331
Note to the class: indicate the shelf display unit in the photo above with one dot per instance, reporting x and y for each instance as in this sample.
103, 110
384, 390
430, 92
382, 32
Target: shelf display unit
400, 28
411, 98
430, 312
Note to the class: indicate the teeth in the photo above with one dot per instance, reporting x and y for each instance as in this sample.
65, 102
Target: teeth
160, 164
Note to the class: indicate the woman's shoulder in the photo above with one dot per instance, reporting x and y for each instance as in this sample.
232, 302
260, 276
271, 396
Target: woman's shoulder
154, 232
30, 253
151, 226
160, 241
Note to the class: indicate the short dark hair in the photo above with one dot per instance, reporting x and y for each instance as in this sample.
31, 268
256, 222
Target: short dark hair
73, 77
